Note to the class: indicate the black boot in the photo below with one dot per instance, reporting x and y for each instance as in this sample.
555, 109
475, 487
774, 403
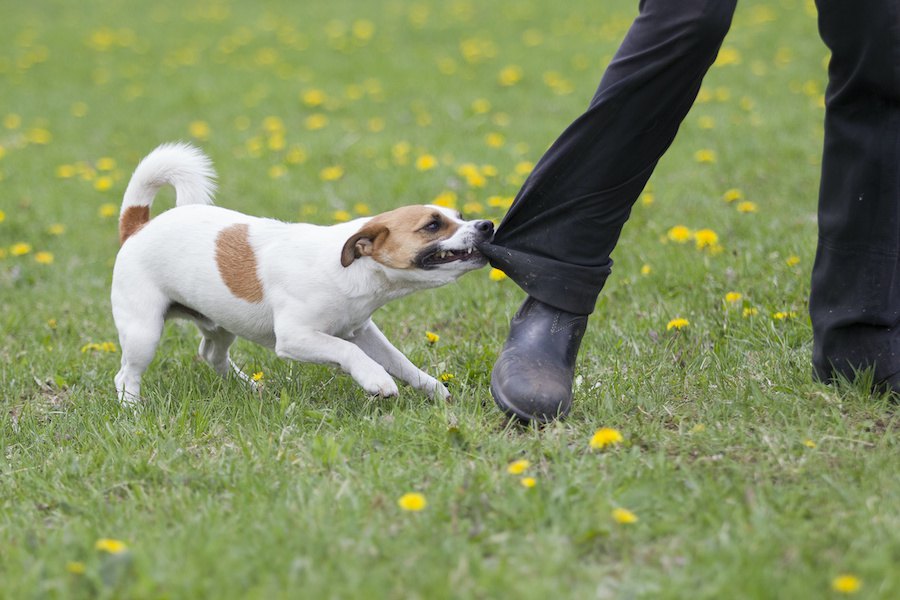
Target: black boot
532, 378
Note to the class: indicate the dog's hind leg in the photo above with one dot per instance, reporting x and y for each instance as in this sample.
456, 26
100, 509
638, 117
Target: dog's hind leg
138, 337
214, 350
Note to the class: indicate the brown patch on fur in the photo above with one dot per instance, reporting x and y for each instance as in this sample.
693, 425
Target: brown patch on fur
237, 263
396, 237
131, 221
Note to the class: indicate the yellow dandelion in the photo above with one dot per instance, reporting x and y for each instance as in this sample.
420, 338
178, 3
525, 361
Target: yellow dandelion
481, 106
315, 121
103, 183
732, 195
605, 436
258, 376
698, 428
677, 323
496, 275
472, 208
79, 109
783, 315
445, 377
20, 249
332, 173
528, 482
846, 584
44, 258
295, 156
809, 443
76, 567
727, 56
426, 162
106, 163
647, 198
792, 260
39, 135
747, 207
706, 122
494, 139
517, 467
510, 75
705, 156
108, 210
733, 297
680, 234
706, 238
12, 121
624, 516
432, 337
199, 130
2, 216
412, 501
363, 29
342, 216
110, 545
446, 199
646, 270
503, 202
277, 171
66, 171
375, 124
313, 97
361, 208
750, 311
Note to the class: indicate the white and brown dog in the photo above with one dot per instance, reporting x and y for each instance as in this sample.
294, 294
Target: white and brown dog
307, 291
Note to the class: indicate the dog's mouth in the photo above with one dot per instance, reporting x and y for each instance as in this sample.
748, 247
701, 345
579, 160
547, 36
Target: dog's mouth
439, 257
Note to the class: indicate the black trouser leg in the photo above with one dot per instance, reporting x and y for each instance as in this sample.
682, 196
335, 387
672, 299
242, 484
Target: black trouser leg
855, 296
556, 239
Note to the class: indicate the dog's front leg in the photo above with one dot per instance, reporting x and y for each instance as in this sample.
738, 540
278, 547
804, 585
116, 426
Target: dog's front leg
374, 343
308, 345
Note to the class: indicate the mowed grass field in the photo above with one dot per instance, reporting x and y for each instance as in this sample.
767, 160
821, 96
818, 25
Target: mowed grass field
736, 475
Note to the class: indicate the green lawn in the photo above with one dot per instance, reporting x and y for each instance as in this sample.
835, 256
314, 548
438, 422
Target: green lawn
748, 480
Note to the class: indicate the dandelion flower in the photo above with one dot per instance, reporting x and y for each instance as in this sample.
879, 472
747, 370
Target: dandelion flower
733, 297
750, 311
446, 199
706, 239
75, 567
2, 216
528, 482
809, 443
111, 546
277, 171
199, 130
20, 249
445, 377
432, 337
496, 275
677, 323
103, 183
44, 258
747, 207
108, 210
66, 171
258, 376
733, 194
510, 75
106, 163
361, 208
646, 270
494, 139
792, 260
846, 584
412, 501
624, 516
332, 173
313, 97
426, 162
316, 122
39, 135
55, 228
706, 122
647, 198
605, 436
517, 467
783, 315
705, 156
679, 233
480, 106
12, 121
342, 216
473, 208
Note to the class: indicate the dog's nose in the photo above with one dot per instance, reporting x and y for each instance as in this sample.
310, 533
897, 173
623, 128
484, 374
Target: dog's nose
484, 226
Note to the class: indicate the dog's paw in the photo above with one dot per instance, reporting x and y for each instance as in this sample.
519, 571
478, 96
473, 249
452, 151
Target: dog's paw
439, 391
378, 384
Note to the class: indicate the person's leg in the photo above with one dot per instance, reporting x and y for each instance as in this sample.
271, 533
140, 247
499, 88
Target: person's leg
855, 295
555, 241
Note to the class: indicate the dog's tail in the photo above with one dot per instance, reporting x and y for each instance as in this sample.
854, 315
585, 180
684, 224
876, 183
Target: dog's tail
180, 165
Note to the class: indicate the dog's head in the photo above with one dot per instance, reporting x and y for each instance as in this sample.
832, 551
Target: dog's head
432, 241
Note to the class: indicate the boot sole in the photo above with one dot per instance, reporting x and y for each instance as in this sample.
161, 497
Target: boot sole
513, 411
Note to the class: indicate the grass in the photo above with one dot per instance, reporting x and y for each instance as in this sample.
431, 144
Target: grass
748, 479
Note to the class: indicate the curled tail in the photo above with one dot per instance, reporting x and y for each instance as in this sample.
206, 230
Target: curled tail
180, 165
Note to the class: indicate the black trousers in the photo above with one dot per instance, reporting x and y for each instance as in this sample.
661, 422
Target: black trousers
555, 241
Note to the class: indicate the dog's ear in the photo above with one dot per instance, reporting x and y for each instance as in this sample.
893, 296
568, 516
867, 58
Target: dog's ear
363, 243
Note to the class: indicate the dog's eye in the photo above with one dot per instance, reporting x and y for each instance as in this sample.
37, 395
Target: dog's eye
432, 226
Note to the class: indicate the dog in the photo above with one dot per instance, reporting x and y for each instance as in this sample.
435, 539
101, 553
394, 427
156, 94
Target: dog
306, 291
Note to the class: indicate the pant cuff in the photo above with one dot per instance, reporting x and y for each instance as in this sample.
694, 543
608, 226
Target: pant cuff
572, 288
